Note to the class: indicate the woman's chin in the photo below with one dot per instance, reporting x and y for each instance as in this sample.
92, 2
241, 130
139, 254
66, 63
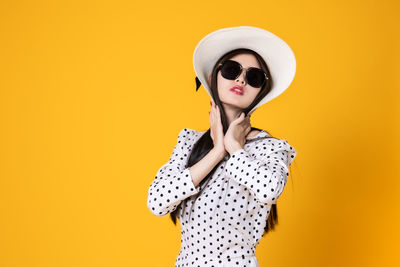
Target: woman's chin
233, 104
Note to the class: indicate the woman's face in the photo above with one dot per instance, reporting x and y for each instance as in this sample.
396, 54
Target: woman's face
234, 99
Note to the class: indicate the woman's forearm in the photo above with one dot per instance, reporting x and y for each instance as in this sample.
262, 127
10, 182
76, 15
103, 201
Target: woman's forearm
200, 170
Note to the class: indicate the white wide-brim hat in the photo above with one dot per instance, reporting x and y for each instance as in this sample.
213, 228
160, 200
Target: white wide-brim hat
275, 52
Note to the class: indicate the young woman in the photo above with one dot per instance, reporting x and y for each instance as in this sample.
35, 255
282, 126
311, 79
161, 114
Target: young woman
223, 183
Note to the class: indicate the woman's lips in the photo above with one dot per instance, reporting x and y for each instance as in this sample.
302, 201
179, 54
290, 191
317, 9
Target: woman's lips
237, 90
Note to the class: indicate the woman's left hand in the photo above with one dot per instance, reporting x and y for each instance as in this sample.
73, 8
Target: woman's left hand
235, 136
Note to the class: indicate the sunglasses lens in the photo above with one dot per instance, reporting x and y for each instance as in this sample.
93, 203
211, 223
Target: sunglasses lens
255, 77
230, 70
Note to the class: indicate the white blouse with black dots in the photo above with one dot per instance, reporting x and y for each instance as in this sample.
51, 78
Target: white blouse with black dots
222, 220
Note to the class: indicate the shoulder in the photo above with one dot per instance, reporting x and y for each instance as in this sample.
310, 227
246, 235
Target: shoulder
275, 143
253, 133
274, 146
187, 132
188, 136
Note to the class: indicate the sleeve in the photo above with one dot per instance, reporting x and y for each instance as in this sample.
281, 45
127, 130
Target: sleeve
265, 176
173, 182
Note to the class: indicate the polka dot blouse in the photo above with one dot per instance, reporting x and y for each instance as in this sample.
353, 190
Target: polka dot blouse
223, 219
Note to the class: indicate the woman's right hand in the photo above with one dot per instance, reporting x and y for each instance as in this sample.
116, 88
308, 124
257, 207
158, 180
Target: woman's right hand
216, 129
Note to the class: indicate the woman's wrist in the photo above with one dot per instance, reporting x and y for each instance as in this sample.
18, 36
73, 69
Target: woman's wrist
234, 148
219, 152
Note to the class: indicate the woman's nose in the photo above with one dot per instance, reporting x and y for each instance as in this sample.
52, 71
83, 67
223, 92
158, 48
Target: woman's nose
241, 78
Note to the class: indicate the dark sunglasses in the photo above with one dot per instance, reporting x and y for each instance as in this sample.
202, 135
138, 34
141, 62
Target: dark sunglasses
231, 69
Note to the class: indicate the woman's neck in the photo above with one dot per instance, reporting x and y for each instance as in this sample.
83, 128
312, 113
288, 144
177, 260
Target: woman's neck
232, 113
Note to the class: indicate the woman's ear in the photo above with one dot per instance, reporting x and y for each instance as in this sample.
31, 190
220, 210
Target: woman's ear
209, 80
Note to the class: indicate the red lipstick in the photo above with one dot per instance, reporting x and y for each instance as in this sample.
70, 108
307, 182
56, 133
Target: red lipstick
237, 90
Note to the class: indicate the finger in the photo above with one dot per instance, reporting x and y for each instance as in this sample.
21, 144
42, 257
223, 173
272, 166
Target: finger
212, 103
243, 122
239, 119
246, 120
213, 115
218, 114
214, 107
248, 130
244, 127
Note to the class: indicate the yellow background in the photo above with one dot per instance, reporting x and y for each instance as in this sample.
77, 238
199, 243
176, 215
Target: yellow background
93, 95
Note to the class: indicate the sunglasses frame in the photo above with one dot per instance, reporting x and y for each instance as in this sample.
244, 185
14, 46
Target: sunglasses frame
241, 70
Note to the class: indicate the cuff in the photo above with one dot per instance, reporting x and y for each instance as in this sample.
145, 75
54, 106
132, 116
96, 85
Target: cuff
187, 183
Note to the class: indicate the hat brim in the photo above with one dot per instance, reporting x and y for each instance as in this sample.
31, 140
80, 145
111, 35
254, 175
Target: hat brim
277, 54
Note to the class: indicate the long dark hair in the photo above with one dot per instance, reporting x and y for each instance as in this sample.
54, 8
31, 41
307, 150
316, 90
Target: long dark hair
205, 143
